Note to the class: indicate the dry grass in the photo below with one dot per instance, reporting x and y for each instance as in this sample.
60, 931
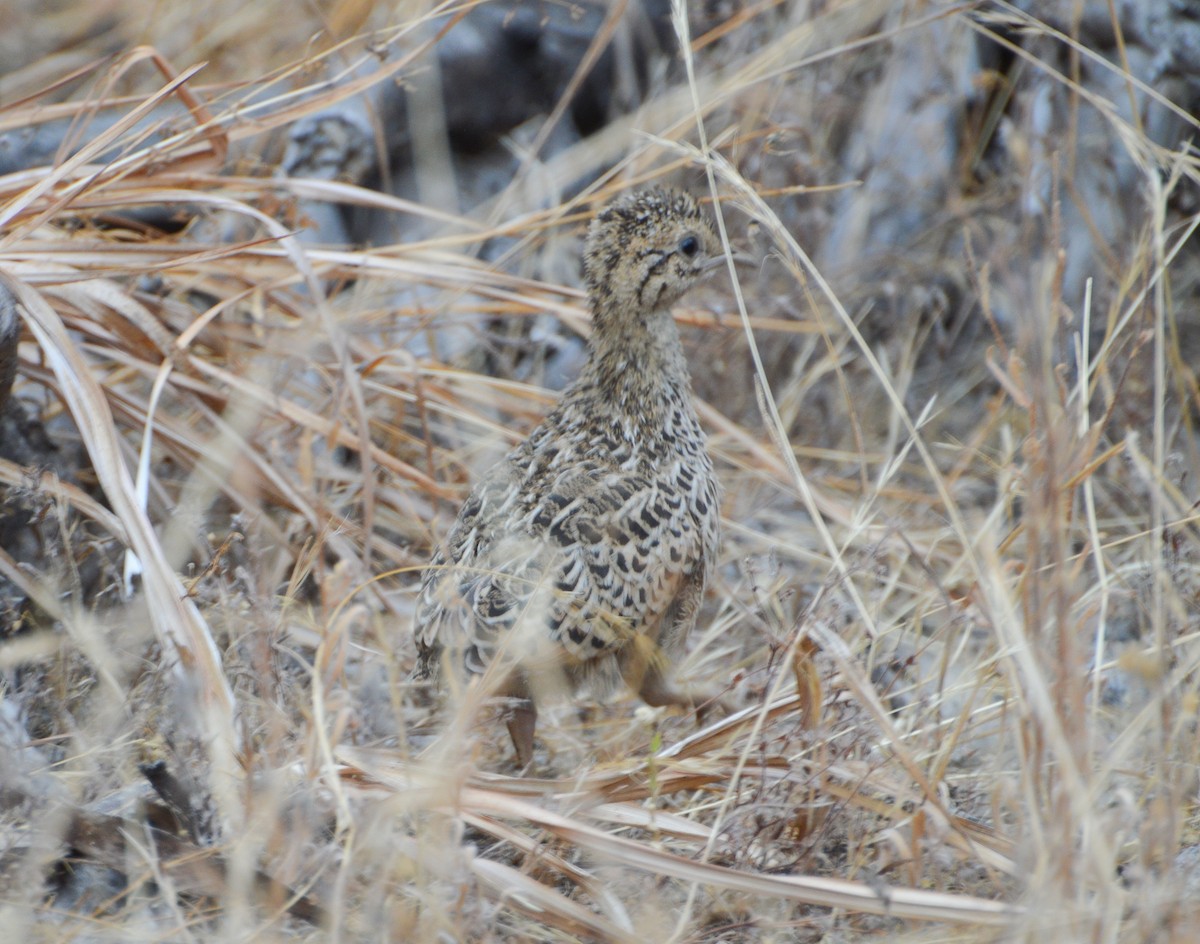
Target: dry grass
955, 610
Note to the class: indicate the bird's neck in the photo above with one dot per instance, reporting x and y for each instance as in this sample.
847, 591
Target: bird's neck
639, 364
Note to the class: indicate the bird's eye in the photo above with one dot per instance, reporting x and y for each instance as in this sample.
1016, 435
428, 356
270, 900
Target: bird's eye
689, 246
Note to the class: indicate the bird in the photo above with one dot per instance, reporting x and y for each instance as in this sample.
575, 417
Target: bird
583, 556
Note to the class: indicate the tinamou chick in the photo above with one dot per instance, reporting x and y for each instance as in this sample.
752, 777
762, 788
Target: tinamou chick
583, 555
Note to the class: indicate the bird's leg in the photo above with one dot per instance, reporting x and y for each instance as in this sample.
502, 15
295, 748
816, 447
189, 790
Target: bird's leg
642, 663
522, 719
656, 692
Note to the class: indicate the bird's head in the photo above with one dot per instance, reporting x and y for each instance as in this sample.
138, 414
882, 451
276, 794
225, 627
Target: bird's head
645, 250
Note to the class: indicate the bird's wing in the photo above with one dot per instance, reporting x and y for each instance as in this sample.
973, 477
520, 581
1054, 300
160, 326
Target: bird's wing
467, 595
625, 545
588, 559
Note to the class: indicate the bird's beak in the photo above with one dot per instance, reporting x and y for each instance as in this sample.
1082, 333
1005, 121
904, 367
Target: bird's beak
739, 258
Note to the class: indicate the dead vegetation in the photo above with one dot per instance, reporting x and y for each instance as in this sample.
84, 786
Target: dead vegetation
953, 414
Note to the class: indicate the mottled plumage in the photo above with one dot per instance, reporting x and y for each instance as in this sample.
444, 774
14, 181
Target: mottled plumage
588, 547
